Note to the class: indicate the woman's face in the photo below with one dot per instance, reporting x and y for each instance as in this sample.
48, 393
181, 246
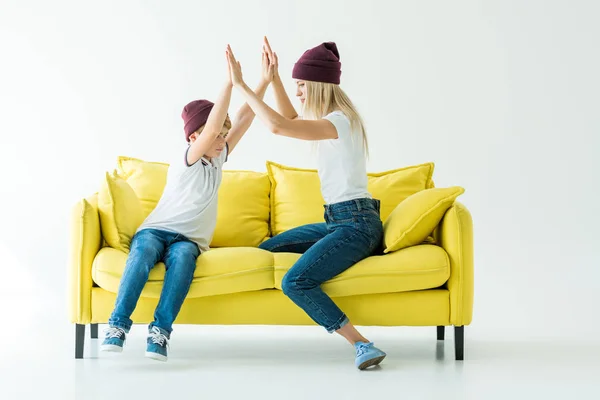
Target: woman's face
301, 91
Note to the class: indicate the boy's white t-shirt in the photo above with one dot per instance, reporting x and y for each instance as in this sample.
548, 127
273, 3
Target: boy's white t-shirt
188, 205
342, 163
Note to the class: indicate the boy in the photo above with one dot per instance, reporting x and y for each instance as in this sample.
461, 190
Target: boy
183, 222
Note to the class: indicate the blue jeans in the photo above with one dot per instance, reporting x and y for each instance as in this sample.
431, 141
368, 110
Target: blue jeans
148, 247
352, 232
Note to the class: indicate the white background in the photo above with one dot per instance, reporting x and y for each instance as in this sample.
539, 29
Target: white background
502, 95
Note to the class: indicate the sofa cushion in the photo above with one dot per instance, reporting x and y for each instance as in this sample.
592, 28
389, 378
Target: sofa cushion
119, 211
218, 271
147, 179
413, 268
243, 210
296, 195
416, 217
243, 204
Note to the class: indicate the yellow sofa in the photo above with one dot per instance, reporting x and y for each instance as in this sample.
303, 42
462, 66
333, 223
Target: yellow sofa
422, 277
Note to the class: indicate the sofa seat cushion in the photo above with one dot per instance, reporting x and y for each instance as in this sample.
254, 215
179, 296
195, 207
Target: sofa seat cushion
218, 271
413, 268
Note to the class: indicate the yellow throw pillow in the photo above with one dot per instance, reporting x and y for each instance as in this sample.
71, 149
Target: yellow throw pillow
147, 179
295, 197
243, 210
296, 193
415, 218
120, 211
392, 187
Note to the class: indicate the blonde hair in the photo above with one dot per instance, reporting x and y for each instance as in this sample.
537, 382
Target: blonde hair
226, 125
324, 98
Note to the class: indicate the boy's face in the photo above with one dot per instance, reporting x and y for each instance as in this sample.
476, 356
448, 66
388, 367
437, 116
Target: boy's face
218, 145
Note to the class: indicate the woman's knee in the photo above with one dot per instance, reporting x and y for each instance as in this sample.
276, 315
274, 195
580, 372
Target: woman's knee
289, 285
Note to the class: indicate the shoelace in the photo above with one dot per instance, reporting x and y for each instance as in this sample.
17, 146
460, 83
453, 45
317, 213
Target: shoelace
114, 333
363, 348
157, 337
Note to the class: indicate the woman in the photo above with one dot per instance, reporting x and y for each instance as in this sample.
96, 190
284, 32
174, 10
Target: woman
353, 228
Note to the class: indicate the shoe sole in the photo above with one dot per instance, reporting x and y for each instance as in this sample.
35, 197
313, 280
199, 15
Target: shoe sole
371, 362
156, 356
113, 348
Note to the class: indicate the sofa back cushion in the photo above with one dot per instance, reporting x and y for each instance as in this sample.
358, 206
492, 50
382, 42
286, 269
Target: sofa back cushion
243, 205
296, 195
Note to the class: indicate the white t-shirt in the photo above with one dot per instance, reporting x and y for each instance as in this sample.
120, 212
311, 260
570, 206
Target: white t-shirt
188, 205
342, 163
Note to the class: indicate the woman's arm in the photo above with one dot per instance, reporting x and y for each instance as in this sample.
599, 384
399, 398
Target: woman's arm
277, 123
284, 105
245, 115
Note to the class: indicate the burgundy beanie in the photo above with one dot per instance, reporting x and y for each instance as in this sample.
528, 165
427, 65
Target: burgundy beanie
194, 116
319, 64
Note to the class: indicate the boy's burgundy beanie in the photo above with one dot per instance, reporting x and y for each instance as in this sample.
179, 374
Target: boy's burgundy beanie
195, 114
319, 64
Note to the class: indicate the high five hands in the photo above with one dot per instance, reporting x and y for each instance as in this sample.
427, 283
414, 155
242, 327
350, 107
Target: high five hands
269, 69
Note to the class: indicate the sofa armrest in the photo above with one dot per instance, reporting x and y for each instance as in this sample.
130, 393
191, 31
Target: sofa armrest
455, 235
86, 240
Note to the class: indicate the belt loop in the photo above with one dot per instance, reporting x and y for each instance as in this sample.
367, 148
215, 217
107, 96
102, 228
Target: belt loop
358, 206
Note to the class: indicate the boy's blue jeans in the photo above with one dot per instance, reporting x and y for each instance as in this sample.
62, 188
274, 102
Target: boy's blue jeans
148, 247
352, 232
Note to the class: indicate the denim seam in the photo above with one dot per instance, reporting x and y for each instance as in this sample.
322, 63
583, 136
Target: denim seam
309, 300
121, 325
311, 265
338, 324
293, 243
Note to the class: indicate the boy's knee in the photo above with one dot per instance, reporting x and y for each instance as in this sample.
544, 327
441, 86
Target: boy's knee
185, 255
142, 255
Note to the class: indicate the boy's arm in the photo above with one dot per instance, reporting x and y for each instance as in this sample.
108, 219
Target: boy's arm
244, 118
213, 127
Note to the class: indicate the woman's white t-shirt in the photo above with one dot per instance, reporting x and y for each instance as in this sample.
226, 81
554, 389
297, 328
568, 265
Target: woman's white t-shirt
342, 163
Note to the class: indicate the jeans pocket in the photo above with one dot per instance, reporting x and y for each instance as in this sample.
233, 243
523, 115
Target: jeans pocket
371, 225
343, 216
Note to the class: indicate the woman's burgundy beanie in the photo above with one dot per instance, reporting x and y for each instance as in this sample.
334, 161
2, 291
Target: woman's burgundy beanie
194, 116
319, 64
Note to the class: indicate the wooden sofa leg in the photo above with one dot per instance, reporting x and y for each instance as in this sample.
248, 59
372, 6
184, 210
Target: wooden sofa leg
94, 331
440, 332
79, 338
459, 342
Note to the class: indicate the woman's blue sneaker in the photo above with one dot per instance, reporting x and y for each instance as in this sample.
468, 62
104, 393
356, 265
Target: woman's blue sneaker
158, 341
114, 338
367, 355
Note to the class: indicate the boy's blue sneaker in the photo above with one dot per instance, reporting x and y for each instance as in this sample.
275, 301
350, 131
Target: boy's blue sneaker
157, 344
114, 339
367, 355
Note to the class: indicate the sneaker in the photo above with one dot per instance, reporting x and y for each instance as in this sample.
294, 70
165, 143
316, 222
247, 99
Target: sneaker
157, 344
114, 338
367, 355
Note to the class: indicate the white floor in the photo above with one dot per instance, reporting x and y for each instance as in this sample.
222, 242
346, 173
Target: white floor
295, 363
